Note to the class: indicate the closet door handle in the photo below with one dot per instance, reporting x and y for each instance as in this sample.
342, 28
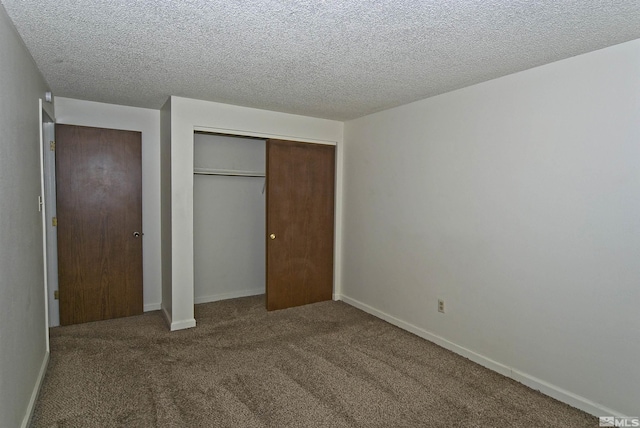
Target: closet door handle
136, 234
272, 236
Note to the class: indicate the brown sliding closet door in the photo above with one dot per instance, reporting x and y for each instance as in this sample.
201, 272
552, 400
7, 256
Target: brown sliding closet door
99, 204
300, 223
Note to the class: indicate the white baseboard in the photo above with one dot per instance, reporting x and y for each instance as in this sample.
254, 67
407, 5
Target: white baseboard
230, 295
36, 390
563, 395
530, 381
176, 325
215, 298
152, 307
166, 315
181, 325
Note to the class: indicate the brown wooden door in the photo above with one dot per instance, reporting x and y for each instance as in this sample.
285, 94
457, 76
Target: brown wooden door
300, 223
99, 209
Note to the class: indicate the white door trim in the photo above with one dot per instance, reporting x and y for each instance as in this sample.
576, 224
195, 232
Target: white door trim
50, 237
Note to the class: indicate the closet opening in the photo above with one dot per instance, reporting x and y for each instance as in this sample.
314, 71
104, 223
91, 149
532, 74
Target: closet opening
228, 216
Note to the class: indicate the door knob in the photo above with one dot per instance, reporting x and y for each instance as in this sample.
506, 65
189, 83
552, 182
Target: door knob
136, 234
272, 236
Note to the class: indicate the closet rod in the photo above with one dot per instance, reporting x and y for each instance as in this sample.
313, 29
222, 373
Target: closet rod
228, 172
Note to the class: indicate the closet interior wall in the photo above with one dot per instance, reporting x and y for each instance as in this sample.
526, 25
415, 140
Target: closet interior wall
228, 217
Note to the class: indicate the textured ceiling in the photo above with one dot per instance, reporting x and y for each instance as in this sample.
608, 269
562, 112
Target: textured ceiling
337, 59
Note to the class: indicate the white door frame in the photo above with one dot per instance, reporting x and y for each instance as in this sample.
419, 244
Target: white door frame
50, 236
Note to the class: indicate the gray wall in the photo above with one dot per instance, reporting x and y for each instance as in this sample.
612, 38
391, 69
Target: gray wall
165, 209
517, 201
22, 298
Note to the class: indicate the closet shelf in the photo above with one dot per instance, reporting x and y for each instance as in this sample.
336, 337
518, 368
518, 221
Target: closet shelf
228, 172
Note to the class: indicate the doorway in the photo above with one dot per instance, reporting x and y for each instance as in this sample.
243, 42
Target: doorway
243, 184
47, 209
228, 217
99, 212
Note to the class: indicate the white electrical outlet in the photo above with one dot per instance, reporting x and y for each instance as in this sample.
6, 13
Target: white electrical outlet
441, 306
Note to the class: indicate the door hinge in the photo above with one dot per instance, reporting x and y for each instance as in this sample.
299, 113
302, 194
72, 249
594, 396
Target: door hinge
52, 146
54, 221
56, 295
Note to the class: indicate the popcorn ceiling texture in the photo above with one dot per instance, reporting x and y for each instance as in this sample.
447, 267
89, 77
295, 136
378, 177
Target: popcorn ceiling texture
336, 59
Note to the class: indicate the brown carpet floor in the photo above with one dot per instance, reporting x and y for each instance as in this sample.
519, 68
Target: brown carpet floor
321, 365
